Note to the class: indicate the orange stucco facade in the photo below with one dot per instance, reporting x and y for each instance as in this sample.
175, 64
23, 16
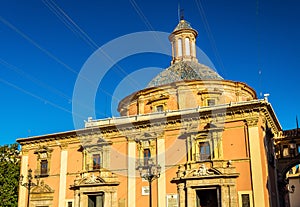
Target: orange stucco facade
208, 136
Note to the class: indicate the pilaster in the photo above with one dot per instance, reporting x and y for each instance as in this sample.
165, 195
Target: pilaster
24, 169
161, 181
131, 177
191, 195
76, 198
181, 194
256, 160
63, 174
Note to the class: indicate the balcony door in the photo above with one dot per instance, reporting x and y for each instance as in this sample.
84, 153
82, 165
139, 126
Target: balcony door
208, 197
96, 200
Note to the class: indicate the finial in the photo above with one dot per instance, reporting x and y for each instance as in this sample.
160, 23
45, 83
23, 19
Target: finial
297, 125
180, 13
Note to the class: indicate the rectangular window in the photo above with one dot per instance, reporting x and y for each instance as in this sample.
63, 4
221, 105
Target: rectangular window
204, 149
96, 161
44, 167
147, 156
70, 204
211, 102
285, 151
245, 200
160, 108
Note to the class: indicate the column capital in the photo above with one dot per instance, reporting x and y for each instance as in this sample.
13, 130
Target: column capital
63, 146
180, 186
24, 152
252, 122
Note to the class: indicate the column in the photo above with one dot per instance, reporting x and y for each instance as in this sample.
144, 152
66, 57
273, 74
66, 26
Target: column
107, 199
233, 195
24, 171
131, 188
191, 194
141, 105
83, 200
181, 195
63, 176
76, 198
256, 161
220, 145
114, 198
106, 157
161, 181
188, 144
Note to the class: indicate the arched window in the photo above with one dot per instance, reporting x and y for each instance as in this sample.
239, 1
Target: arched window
187, 46
179, 47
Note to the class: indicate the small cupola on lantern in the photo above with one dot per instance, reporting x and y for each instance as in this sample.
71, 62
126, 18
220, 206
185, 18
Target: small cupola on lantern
183, 40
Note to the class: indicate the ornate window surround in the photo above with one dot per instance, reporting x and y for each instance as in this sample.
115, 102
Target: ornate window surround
211, 135
198, 141
101, 148
43, 154
158, 100
148, 142
210, 94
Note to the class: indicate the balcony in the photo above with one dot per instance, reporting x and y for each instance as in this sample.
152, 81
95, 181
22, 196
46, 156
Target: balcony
202, 157
40, 173
144, 162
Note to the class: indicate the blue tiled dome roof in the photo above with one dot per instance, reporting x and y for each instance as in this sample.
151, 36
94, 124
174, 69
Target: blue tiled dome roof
184, 70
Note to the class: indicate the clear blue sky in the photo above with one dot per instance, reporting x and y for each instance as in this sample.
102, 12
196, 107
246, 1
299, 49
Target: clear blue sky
44, 45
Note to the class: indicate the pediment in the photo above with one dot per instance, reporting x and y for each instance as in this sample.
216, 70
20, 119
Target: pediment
41, 187
203, 170
90, 179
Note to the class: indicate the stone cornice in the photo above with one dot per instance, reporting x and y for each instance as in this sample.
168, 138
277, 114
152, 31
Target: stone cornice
169, 121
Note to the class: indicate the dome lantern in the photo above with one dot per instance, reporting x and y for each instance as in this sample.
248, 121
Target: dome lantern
183, 40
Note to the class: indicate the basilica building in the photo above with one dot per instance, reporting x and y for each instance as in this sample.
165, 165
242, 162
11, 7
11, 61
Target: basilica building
189, 139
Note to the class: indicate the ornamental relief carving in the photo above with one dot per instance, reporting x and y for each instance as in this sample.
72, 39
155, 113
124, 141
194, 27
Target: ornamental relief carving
41, 187
252, 122
101, 177
201, 170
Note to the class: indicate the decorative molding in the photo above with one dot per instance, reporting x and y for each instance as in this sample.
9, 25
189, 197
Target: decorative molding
102, 177
201, 171
64, 145
252, 122
41, 188
159, 97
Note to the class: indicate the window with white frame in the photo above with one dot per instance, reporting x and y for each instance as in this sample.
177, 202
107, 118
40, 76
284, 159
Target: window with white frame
204, 150
43, 161
245, 199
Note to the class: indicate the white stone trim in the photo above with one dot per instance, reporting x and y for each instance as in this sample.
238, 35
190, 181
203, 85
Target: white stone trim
63, 178
131, 173
161, 182
250, 197
257, 174
22, 190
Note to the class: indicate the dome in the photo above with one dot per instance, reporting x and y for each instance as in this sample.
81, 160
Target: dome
183, 25
184, 70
